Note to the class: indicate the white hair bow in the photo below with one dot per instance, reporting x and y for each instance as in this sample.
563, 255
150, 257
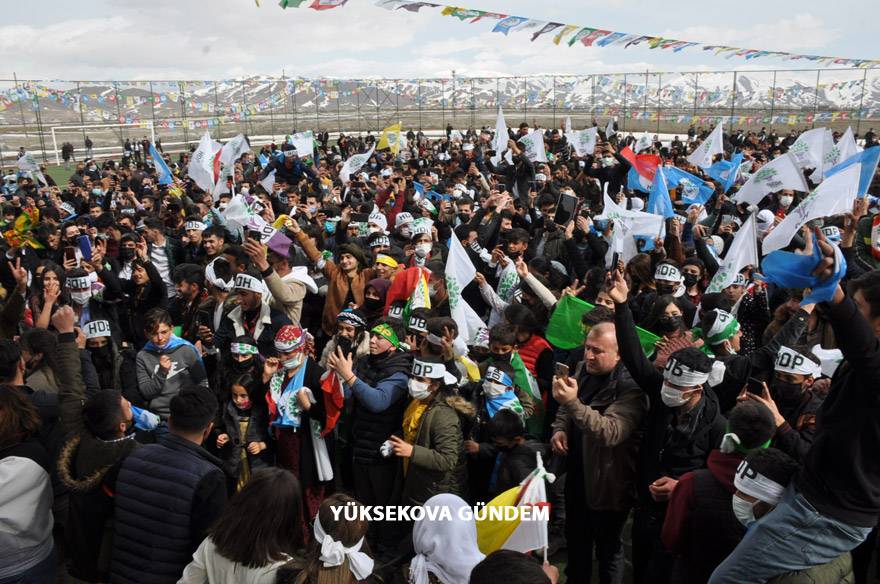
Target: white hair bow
333, 553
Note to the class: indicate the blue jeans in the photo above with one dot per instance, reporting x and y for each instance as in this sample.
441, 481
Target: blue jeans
794, 536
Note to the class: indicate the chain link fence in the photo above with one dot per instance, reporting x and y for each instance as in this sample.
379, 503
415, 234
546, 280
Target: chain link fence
268, 108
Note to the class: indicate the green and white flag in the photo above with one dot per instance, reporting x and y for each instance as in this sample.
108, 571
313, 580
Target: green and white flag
354, 164
743, 251
460, 272
583, 141
780, 173
533, 144
712, 145
304, 142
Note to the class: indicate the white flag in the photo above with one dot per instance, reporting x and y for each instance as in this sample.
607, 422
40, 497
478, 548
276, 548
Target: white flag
643, 143
533, 143
743, 251
269, 182
807, 149
609, 129
628, 224
28, 163
499, 144
304, 142
780, 173
834, 196
455, 136
848, 146
460, 272
568, 127
234, 149
583, 141
354, 164
712, 145
201, 166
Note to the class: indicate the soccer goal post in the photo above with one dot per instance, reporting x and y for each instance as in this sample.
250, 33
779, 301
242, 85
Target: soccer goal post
107, 138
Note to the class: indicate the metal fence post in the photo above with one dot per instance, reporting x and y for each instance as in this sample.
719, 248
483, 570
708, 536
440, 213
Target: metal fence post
816, 98
773, 100
82, 117
733, 101
696, 94
20, 106
659, 90
861, 101
625, 92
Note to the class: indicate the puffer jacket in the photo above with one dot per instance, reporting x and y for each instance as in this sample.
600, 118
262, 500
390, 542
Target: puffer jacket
437, 464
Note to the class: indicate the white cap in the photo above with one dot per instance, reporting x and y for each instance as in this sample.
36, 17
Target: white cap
379, 219
403, 218
540, 176
467, 147
637, 204
386, 172
764, 219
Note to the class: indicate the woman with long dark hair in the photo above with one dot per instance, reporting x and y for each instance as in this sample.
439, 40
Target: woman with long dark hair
249, 544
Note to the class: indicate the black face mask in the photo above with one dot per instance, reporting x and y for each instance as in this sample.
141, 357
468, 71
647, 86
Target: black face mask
464, 218
668, 324
126, 254
691, 280
242, 366
373, 304
664, 289
502, 358
786, 394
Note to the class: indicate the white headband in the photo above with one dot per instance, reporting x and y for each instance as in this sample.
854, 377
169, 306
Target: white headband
668, 273
245, 282
333, 553
722, 320
790, 361
680, 374
68, 208
216, 282
432, 371
97, 328
382, 241
197, 225
749, 482
78, 283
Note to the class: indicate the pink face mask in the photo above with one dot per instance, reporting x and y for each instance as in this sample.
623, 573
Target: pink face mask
244, 405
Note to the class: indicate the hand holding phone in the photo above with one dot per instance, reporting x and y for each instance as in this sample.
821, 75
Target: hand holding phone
560, 370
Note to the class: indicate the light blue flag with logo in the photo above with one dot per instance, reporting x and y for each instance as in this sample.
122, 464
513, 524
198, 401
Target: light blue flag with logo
868, 160
735, 162
693, 190
719, 170
162, 170
659, 202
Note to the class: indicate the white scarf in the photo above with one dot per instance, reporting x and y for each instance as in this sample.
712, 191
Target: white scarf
447, 549
333, 553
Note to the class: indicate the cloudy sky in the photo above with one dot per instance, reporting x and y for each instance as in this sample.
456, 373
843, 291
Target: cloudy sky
208, 39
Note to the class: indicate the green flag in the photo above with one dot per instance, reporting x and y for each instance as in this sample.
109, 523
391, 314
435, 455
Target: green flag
565, 330
526, 382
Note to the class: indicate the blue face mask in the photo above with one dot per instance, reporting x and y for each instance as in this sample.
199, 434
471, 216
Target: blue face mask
330, 227
98, 192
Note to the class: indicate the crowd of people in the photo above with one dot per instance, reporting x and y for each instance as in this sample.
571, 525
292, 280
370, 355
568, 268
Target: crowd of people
187, 398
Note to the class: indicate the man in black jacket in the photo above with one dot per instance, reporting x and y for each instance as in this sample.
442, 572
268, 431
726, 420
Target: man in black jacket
834, 502
684, 424
167, 496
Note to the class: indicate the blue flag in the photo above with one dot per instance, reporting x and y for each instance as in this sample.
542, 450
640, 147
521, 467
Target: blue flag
635, 181
162, 170
868, 159
718, 171
419, 188
659, 202
693, 190
735, 162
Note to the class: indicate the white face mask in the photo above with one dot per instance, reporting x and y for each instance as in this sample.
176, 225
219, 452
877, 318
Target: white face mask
786, 200
418, 389
373, 229
294, 361
672, 397
245, 190
406, 231
81, 298
492, 389
744, 511
423, 249
607, 160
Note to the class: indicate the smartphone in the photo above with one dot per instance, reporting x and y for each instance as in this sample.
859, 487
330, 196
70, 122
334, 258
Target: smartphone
502, 188
254, 235
344, 344
360, 217
565, 208
600, 224
615, 260
70, 253
85, 247
533, 185
560, 370
755, 386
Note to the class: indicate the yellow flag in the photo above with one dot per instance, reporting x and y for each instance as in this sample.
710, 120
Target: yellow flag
390, 139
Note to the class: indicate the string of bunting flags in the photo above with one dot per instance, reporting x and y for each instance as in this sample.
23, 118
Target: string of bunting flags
572, 34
